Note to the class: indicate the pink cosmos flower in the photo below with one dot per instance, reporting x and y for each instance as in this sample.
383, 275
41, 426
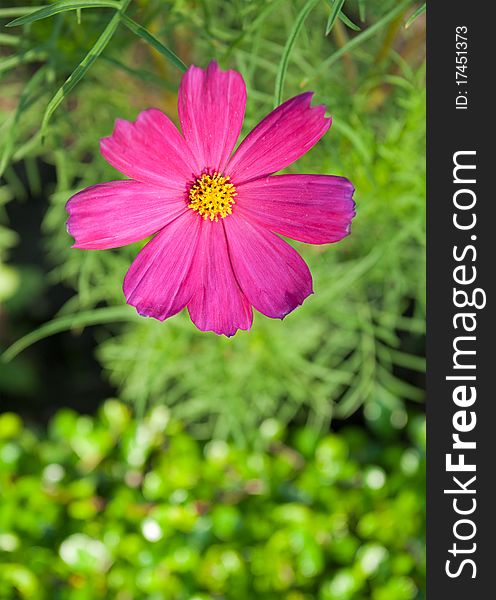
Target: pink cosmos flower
215, 214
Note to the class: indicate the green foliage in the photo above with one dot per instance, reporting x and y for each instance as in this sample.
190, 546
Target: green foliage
107, 507
61, 6
420, 10
336, 7
283, 65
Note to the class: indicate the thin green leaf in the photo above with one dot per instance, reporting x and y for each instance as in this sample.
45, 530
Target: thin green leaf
62, 6
83, 319
409, 361
144, 34
10, 62
336, 7
348, 22
399, 387
9, 40
283, 65
361, 10
415, 15
84, 66
17, 10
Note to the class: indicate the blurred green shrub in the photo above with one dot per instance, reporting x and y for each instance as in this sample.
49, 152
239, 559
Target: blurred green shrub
110, 507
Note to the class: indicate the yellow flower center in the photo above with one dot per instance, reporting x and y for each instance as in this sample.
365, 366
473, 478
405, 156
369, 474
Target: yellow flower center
212, 196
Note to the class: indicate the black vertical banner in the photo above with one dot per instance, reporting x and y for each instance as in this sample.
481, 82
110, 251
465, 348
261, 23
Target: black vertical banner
461, 231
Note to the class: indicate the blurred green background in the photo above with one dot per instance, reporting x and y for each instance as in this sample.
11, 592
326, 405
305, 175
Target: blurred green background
141, 459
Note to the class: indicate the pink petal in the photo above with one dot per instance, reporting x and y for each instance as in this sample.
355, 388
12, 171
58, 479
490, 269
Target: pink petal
157, 281
211, 106
218, 303
316, 209
117, 213
282, 137
272, 275
150, 150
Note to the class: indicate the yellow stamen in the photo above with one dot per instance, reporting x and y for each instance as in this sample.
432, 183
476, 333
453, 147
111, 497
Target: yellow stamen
212, 196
